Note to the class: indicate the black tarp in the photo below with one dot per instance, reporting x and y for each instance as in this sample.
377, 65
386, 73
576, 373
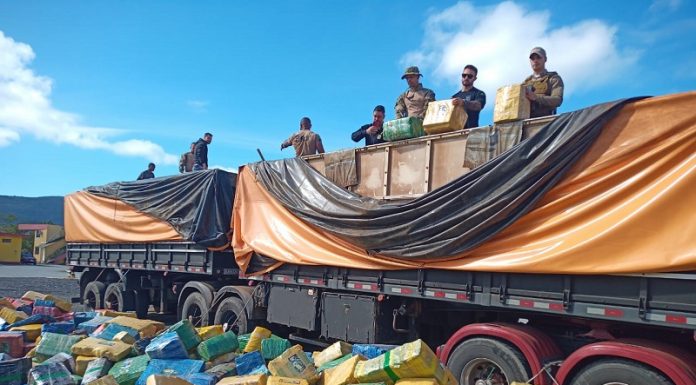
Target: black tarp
449, 220
198, 205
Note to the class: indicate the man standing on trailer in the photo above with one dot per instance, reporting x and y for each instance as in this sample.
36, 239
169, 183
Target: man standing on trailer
414, 101
200, 152
544, 89
470, 97
372, 132
305, 141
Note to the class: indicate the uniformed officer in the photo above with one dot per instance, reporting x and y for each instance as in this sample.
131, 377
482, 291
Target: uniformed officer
544, 89
414, 101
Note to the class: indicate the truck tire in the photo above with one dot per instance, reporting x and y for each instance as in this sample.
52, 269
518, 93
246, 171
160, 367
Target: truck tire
231, 311
142, 303
115, 298
196, 308
618, 371
486, 359
93, 295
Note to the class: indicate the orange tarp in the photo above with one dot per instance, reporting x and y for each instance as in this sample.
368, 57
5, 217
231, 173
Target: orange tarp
92, 218
627, 206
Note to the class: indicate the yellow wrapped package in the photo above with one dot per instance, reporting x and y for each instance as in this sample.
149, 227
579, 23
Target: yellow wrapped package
410, 360
294, 363
276, 380
207, 332
443, 116
146, 328
106, 380
60, 302
11, 316
510, 104
112, 350
335, 351
81, 363
417, 381
158, 379
31, 331
113, 313
124, 337
4, 302
258, 335
252, 379
343, 373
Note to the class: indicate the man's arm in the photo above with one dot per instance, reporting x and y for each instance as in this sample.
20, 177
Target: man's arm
182, 163
287, 143
320, 145
360, 133
429, 97
556, 98
400, 107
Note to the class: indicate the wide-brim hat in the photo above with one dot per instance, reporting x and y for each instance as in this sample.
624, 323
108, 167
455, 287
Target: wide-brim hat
412, 70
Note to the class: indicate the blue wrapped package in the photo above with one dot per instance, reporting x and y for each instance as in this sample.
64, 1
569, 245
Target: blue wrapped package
251, 363
201, 379
178, 368
14, 371
140, 345
44, 302
92, 325
34, 319
371, 351
166, 346
83, 316
111, 330
66, 327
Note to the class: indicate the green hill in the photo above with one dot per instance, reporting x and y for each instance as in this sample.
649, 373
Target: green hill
32, 210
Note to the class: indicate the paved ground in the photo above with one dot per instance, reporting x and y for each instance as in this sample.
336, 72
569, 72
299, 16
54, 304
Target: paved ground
15, 280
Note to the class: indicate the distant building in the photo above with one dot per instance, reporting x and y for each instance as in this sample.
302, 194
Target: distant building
10, 247
49, 242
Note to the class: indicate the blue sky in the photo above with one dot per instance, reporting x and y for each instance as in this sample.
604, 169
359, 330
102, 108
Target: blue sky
90, 92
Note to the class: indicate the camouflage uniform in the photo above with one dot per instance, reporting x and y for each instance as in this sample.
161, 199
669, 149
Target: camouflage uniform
414, 102
548, 87
305, 142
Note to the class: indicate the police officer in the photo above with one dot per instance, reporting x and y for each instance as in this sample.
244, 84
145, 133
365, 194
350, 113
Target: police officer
544, 89
414, 101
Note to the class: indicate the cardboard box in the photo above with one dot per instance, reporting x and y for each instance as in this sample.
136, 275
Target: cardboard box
511, 104
443, 116
294, 363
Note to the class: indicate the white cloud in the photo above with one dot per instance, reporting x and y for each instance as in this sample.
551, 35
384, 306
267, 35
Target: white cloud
26, 108
498, 39
665, 5
197, 105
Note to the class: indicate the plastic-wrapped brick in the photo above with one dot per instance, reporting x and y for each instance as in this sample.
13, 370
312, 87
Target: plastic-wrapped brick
95, 369
12, 343
65, 327
166, 346
179, 368
258, 335
217, 346
62, 358
200, 379
273, 347
223, 370
371, 351
83, 316
95, 347
188, 334
111, 330
251, 363
208, 332
52, 344
294, 363
50, 374
128, 371
14, 371
91, 325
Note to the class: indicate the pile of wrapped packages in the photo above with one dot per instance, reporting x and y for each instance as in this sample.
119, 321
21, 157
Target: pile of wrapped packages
109, 348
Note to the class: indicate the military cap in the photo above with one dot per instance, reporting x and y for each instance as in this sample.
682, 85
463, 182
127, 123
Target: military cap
539, 51
412, 70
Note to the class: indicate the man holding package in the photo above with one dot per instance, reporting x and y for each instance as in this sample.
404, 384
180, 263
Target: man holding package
470, 97
414, 101
371, 131
544, 89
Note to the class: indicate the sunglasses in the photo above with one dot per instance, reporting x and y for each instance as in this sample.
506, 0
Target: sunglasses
467, 76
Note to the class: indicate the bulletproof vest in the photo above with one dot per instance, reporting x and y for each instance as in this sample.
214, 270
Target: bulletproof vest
541, 86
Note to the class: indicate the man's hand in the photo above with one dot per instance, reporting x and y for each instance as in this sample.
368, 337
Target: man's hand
282, 146
458, 102
372, 130
531, 96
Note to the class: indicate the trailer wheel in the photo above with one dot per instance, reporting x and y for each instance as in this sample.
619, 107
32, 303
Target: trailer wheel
142, 303
618, 371
93, 295
116, 298
487, 361
196, 309
231, 311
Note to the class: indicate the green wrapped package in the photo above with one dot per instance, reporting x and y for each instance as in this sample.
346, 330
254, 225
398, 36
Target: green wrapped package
53, 343
273, 347
218, 345
128, 371
187, 333
334, 363
243, 339
404, 128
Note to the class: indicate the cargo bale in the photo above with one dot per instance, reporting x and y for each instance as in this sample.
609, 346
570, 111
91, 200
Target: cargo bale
12, 343
187, 333
511, 104
293, 363
110, 330
124, 337
334, 363
200, 379
258, 335
343, 373
217, 346
253, 379
62, 358
170, 368
161, 379
65, 327
95, 347
106, 380
31, 332
166, 346
370, 351
11, 316
334, 351
274, 347
128, 371
96, 369
14, 371
223, 359
81, 363
223, 370
251, 363
52, 344
276, 380
90, 326
50, 374
410, 360
146, 328
208, 332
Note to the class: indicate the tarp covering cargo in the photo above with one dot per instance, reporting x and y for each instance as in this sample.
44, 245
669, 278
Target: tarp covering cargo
189, 207
608, 183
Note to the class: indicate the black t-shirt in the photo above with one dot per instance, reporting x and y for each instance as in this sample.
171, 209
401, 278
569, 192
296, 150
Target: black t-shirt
147, 174
369, 139
474, 94
200, 153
